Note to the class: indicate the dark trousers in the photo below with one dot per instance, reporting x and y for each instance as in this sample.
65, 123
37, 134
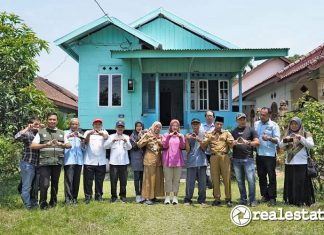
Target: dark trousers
49, 174
138, 182
266, 167
72, 175
118, 172
194, 173
91, 173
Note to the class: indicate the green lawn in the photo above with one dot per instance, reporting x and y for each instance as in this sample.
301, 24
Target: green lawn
131, 218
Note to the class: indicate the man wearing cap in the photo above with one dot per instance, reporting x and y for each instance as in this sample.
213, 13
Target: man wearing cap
94, 160
220, 142
196, 164
119, 144
245, 138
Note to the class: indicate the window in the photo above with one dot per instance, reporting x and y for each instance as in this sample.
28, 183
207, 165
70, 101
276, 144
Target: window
148, 93
223, 95
110, 90
203, 95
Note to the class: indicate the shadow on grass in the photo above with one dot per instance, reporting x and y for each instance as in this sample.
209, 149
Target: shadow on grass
9, 196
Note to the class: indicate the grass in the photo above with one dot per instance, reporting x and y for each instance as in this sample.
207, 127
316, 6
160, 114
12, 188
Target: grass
131, 218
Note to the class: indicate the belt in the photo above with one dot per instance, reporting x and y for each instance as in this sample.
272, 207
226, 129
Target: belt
219, 153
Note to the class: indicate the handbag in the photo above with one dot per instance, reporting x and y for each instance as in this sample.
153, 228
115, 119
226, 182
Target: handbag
312, 168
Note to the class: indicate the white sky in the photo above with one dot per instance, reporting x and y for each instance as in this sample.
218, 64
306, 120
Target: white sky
298, 25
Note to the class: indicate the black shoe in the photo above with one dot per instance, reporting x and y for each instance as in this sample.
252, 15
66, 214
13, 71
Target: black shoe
43, 205
52, 204
216, 203
99, 199
272, 202
123, 199
229, 203
149, 202
155, 200
243, 203
87, 200
264, 199
113, 199
187, 201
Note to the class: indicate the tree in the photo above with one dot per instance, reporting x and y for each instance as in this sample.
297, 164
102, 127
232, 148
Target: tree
294, 57
19, 98
312, 114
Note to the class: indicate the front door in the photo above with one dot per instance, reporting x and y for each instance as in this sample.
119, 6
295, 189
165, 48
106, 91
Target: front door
171, 101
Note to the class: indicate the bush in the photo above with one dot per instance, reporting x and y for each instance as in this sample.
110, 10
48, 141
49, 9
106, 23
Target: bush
10, 152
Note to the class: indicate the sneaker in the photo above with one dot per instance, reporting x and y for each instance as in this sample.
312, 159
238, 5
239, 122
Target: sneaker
43, 205
167, 200
216, 203
187, 202
175, 200
138, 198
99, 199
149, 202
229, 203
253, 204
264, 199
113, 199
272, 202
203, 203
123, 199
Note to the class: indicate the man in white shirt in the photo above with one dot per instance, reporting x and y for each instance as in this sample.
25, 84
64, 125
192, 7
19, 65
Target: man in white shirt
119, 145
94, 160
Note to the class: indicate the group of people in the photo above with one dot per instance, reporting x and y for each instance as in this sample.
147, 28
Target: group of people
157, 160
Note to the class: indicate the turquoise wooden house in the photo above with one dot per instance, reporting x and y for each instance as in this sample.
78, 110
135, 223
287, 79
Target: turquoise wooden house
159, 67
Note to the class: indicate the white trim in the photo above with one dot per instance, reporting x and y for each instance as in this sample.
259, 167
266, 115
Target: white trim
205, 98
219, 95
110, 91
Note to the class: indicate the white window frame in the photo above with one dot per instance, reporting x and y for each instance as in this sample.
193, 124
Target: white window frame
198, 95
219, 95
110, 91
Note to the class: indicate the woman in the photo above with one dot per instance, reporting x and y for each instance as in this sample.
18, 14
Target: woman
298, 188
173, 144
153, 173
136, 156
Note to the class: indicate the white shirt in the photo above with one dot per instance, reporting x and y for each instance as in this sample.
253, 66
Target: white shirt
95, 153
118, 149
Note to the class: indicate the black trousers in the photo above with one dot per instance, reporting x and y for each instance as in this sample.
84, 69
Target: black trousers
72, 175
266, 167
118, 172
138, 182
49, 174
91, 173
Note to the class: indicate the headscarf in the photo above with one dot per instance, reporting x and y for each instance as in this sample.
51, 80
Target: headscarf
135, 133
294, 147
171, 123
151, 129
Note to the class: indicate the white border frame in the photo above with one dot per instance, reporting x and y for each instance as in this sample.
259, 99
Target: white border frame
198, 95
219, 96
110, 90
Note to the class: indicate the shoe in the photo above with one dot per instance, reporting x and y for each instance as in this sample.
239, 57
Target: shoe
75, 201
43, 205
187, 202
87, 200
175, 200
216, 203
155, 200
242, 203
264, 199
138, 198
113, 199
272, 202
202, 203
52, 204
229, 203
149, 202
99, 199
253, 204
123, 199
167, 200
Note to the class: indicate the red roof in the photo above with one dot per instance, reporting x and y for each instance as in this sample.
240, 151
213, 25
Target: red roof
59, 95
312, 60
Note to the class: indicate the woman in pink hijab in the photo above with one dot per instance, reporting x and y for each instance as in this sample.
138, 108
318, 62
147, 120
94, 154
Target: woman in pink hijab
173, 143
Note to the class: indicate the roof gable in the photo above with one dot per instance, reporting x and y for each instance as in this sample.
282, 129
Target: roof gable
161, 13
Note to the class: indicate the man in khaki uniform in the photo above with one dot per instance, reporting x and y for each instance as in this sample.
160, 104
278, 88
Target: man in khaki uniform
220, 142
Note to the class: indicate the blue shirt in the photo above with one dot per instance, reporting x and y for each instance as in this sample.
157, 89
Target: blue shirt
196, 156
74, 155
206, 128
267, 148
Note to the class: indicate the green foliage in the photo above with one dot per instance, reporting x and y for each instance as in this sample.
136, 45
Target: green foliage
19, 98
294, 57
64, 120
10, 152
311, 113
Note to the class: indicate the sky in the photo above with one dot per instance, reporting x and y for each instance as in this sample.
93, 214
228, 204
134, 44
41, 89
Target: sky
298, 25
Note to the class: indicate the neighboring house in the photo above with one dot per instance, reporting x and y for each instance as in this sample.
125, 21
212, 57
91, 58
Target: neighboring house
158, 68
289, 84
65, 100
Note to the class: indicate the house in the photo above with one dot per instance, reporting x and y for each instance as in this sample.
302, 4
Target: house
159, 67
287, 85
65, 101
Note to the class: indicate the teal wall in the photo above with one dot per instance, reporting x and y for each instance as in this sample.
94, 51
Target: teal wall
174, 37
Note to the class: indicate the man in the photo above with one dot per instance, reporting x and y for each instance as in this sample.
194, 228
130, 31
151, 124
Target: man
28, 164
73, 161
50, 142
94, 160
245, 138
220, 142
119, 144
196, 164
269, 136
206, 127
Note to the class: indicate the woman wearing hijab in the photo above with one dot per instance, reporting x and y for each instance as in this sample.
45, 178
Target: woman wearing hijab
136, 156
173, 144
153, 173
298, 188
